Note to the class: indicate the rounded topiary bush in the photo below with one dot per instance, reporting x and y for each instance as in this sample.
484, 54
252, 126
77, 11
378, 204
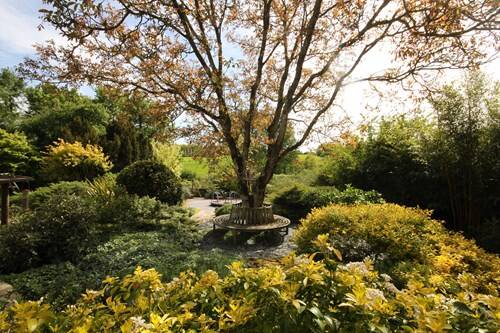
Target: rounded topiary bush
153, 179
404, 242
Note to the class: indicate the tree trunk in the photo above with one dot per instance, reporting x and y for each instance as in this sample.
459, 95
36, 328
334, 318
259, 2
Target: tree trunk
253, 196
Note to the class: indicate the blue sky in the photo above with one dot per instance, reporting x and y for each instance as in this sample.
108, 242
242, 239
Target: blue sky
19, 21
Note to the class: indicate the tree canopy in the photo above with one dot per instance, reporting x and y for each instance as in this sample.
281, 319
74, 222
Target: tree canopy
11, 90
247, 70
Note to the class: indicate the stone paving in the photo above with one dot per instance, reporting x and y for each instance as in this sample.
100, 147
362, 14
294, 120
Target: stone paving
253, 247
7, 294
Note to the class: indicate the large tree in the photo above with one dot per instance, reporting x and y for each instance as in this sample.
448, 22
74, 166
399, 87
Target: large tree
248, 69
11, 98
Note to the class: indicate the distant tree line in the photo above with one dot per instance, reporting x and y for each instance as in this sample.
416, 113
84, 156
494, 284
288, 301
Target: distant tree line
123, 125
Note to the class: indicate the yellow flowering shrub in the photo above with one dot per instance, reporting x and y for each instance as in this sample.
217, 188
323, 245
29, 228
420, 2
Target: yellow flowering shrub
405, 243
74, 161
298, 294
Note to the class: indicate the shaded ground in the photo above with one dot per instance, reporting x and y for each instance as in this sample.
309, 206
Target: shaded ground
268, 245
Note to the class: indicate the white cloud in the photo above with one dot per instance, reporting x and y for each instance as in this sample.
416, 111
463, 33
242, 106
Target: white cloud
19, 20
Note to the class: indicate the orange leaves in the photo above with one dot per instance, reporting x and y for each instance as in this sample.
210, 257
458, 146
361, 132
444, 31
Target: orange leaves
202, 56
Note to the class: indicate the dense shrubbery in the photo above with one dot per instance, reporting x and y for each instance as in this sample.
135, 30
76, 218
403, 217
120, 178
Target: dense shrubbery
59, 284
65, 226
78, 233
60, 230
117, 257
81, 232
404, 242
159, 250
74, 161
299, 295
42, 195
296, 202
153, 179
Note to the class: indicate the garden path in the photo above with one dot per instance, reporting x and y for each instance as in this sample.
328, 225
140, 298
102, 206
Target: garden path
249, 249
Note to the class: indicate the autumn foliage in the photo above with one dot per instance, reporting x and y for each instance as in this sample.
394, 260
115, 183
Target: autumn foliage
249, 70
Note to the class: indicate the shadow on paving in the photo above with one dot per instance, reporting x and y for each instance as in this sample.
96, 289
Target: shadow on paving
249, 245
266, 245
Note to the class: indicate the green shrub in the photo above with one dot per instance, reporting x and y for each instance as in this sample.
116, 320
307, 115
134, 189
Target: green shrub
224, 209
17, 244
59, 284
296, 295
159, 250
130, 213
403, 242
296, 202
117, 257
74, 161
148, 178
62, 229
41, 195
16, 153
188, 175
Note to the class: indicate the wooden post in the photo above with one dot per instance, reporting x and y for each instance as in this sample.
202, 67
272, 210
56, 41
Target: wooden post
26, 199
5, 203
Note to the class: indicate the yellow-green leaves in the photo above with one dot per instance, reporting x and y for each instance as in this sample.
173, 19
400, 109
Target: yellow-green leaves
74, 161
298, 294
405, 243
29, 316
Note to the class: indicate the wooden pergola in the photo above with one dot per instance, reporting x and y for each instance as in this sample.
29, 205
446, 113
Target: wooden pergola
6, 182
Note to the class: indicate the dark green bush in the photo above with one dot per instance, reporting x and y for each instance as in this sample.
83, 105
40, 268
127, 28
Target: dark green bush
131, 211
58, 284
188, 175
65, 227
159, 250
296, 202
153, 179
17, 244
62, 229
41, 195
